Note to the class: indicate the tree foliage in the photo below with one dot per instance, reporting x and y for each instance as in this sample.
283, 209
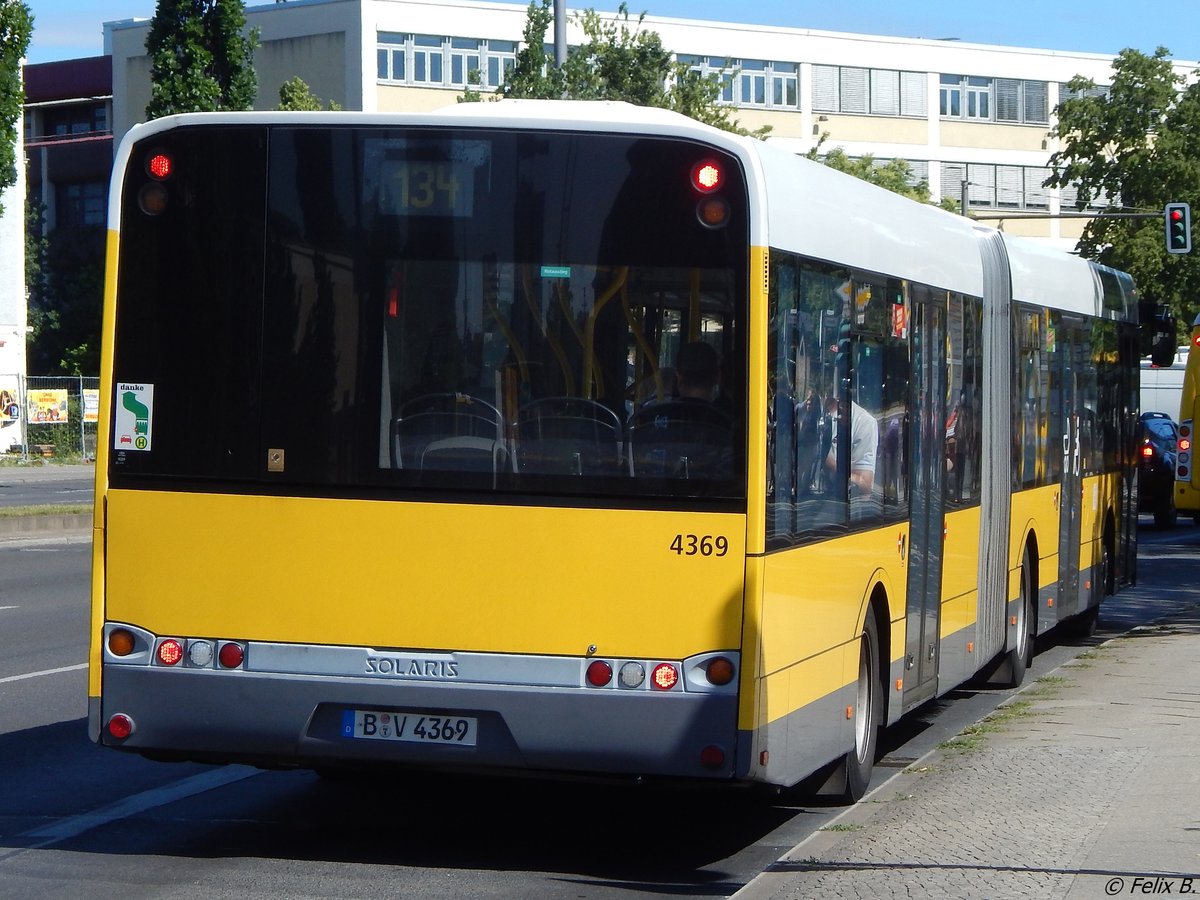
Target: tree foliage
618, 60
894, 175
16, 28
64, 277
201, 57
1139, 146
296, 96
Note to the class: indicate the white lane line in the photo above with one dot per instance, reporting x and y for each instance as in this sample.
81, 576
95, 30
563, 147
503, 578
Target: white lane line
137, 804
74, 668
9, 607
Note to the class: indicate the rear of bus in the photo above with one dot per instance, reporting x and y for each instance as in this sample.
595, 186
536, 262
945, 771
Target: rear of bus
1187, 485
392, 470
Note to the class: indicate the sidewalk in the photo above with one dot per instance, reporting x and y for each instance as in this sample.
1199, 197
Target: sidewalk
1088, 781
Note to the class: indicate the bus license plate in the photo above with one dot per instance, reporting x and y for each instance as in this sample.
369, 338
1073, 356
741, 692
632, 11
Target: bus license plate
376, 725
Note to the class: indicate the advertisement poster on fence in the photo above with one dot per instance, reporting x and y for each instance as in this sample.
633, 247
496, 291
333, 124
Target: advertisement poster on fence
91, 405
10, 409
10, 414
48, 406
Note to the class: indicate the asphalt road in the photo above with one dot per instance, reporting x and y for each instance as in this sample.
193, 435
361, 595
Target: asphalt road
46, 485
78, 820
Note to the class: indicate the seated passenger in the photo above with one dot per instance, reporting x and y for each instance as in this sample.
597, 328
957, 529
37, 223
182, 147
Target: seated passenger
688, 437
698, 372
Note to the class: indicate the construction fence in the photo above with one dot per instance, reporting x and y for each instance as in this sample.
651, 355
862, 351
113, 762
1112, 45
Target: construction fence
51, 416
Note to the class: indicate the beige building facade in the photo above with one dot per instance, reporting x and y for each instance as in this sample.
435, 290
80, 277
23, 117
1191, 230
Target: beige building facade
969, 118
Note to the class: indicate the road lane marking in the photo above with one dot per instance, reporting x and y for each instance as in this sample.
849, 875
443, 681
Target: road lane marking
74, 668
137, 804
8, 607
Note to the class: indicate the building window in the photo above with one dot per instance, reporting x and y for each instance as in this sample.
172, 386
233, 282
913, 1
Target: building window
427, 59
999, 187
748, 82
876, 92
81, 204
994, 99
450, 62
784, 85
1097, 90
712, 68
752, 79
950, 96
1022, 101
391, 55
69, 120
501, 57
760, 82
464, 59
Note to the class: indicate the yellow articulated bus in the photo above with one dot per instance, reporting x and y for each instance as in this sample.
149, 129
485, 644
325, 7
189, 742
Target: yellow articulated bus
578, 438
1187, 486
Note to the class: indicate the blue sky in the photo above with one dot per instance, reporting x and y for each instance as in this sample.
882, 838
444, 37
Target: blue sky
66, 29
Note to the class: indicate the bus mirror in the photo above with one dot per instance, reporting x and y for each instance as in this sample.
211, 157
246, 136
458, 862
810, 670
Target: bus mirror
1162, 351
1163, 342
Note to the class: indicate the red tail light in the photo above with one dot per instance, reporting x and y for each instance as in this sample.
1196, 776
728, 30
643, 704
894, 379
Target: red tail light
664, 677
169, 652
159, 165
707, 176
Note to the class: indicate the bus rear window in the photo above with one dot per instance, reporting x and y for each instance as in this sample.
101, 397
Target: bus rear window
448, 310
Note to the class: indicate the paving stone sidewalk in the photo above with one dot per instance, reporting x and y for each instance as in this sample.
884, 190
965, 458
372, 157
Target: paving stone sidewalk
1086, 785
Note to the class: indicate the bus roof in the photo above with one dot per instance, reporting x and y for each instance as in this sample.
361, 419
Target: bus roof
843, 220
1047, 277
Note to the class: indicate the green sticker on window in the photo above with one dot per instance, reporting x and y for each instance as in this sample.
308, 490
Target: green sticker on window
556, 271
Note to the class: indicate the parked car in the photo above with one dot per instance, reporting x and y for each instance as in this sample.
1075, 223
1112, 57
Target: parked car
1157, 438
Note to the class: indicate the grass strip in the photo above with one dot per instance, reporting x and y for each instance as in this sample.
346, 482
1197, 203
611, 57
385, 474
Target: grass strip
62, 509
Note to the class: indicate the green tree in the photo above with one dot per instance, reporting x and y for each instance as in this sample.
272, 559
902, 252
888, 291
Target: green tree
65, 281
894, 175
35, 264
296, 96
618, 60
1138, 145
16, 27
201, 57
534, 76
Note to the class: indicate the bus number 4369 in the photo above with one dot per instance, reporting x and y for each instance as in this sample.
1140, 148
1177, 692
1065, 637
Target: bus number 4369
700, 544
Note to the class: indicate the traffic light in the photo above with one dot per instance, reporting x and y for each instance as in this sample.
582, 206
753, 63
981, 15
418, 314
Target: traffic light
1178, 219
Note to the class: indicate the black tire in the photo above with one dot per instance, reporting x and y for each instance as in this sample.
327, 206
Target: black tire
1020, 655
1083, 625
1165, 514
868, 714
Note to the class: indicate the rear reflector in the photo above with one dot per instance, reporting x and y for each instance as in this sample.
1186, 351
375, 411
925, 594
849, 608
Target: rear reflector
231, 655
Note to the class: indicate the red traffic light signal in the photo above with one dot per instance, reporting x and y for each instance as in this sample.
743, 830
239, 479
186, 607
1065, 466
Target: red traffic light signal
1177, 219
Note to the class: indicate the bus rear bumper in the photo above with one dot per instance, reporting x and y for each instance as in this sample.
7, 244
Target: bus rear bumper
306, 721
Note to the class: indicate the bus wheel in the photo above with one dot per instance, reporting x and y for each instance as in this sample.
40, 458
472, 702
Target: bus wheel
1164, 516
1020, 655
868, 713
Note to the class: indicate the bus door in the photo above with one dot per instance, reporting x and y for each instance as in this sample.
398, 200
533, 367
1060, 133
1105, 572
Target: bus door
927, 476
1073, 340
1125, 564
